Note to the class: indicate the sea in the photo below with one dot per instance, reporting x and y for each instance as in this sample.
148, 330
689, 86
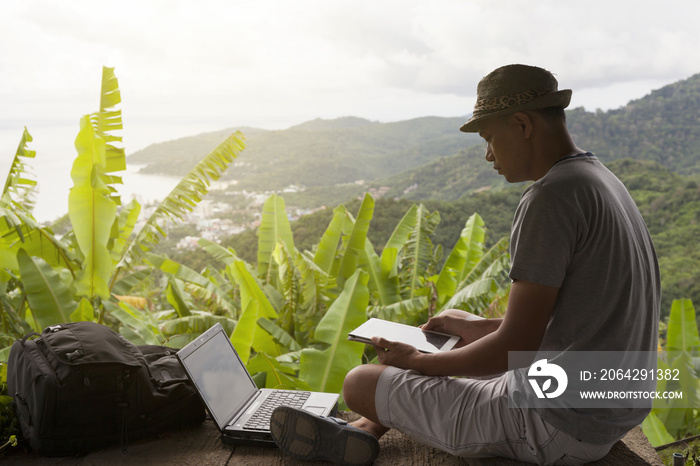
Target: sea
53, 141
55, 153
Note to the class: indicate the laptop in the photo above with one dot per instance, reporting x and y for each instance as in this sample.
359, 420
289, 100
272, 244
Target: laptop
240, 410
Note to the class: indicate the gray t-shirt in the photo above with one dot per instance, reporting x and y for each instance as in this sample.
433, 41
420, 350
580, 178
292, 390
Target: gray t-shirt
579, 230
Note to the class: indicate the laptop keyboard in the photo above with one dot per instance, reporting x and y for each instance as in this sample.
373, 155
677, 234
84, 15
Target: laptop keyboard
260, 420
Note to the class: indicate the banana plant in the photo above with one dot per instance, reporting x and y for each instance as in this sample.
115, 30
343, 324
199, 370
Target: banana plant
19, 192
18, 228
82, 275
325, 369
297, 307
675, 418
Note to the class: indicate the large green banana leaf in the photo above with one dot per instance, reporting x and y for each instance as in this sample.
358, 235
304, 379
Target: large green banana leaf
325, 370
682, 333
124, 286
274, 227
19, 191
123, 228
243, 333
492, 263
92, 202
182, 199
288, 285
280, 336
407, 311
277, 375
139, 327
418, 251
315, 296
328, 246
41, 242
182, 330
85, 312
655, 431
92, 213
388, 285
109, 119
473, 290
218, 252
464, 256
485, 282
371, 263
356, 243
251, 291
403, 229
176, 298
210, 289
49, 298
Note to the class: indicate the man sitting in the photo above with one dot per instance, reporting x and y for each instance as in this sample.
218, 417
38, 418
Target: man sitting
584, 278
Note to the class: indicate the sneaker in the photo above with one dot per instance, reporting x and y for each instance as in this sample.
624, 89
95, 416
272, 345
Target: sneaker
311, 437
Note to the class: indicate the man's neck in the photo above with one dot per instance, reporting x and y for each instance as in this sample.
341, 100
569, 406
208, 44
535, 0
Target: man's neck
558, 146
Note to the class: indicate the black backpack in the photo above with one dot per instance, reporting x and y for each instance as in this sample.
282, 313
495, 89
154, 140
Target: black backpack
81, 386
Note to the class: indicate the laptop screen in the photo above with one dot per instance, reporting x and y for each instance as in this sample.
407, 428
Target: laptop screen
220, 376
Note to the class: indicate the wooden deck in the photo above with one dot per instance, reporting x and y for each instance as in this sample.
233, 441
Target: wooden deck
200, 445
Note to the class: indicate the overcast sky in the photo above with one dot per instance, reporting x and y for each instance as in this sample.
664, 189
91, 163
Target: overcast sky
189, 66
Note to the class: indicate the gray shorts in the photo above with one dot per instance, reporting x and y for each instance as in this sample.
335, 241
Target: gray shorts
472, 418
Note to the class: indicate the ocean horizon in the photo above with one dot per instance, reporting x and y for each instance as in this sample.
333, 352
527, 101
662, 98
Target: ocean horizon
53, 141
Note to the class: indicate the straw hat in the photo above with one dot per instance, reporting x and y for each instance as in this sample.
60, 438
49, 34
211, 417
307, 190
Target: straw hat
513, 88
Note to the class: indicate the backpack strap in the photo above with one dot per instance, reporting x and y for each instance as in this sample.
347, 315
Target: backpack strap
27, 336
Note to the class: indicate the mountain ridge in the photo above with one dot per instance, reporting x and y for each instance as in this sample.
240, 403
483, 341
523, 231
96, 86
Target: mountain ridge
316, 153
428, 157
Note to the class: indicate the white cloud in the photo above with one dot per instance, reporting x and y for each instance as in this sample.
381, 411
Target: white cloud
188, 66
257, 58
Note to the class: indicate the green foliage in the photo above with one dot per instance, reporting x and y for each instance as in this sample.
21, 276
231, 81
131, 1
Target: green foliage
99, 257
9, 425
672, 419
19, 190
669, 203
288, 294
274, 227
49, 299
299, 306
325, 369
320, 153
661, 127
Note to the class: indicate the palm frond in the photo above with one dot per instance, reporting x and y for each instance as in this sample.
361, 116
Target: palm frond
418, 252
182, 199
20, 190
108, 120
410, 311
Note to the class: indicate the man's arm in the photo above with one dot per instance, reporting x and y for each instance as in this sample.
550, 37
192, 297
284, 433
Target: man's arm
529, 308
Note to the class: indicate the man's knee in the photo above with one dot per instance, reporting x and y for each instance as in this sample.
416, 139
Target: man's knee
360, 386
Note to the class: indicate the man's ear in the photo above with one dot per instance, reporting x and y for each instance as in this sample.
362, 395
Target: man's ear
524, 123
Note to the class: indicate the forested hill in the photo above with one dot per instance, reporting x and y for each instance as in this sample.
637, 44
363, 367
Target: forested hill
317, 153
663, 127
428, 157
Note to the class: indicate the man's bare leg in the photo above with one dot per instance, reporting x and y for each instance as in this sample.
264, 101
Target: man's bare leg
358, 391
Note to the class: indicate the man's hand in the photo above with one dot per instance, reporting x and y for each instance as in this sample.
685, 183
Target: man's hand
488, 341
467, 326
394, 353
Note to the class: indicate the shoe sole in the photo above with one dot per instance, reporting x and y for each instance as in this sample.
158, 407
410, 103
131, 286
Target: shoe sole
310, 437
